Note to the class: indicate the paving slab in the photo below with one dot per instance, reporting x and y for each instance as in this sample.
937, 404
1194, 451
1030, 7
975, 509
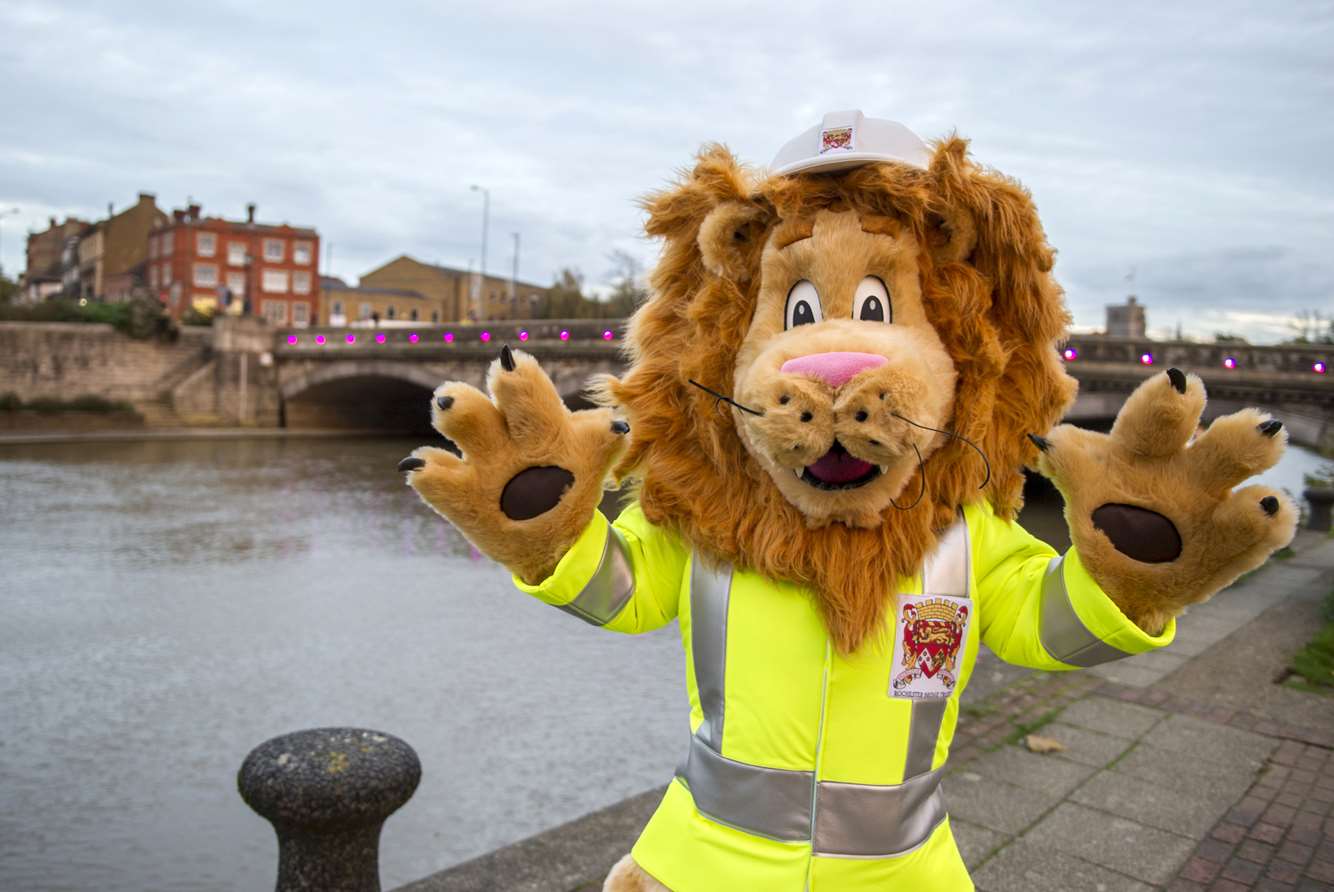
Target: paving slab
1084, 746
1043, 773
975, 842
1127, 673
1125, 846
1163, 661
1192, 641
993, 804
1108, 716
1025, 867
1167, 768
1211, 742
1165, 807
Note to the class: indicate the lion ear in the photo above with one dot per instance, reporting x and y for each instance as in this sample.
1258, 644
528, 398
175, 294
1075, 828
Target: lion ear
952, 229
731, 237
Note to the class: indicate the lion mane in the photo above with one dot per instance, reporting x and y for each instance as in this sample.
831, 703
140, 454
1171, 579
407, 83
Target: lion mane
987, 286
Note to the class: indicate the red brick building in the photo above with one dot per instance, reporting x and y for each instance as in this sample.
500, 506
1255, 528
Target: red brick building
217, 265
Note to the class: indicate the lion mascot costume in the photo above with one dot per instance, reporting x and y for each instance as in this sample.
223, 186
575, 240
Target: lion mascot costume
844, 365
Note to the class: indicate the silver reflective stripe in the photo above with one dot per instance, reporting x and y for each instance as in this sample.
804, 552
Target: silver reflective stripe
875, 821
946, 572
611, 587
768, 802
1060, 630
710, 591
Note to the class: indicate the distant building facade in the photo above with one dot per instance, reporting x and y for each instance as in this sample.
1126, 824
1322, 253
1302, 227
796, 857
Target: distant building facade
1126, 320
52, 260
452, 290
211, 264
344, 304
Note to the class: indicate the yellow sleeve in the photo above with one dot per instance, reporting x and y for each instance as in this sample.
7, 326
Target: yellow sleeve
1044, 610
624, 576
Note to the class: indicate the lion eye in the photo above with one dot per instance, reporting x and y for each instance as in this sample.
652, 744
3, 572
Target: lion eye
803, 306
872, 302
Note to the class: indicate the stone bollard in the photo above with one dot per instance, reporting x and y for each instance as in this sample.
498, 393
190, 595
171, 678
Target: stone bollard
327, 793
1320, 500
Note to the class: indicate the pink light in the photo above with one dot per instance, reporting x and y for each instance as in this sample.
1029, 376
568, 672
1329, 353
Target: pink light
291, 339
564, 334
1146, 359
379, 339
1070, 354
523, 334
1319, 367
449, 337
412, 338
351, 339
484, 337
1229, 362
319, 339
607, 335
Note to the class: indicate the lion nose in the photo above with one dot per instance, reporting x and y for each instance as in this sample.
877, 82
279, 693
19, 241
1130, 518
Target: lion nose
834, 369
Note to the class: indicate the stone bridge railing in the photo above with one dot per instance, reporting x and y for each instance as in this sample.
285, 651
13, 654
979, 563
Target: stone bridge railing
599, 336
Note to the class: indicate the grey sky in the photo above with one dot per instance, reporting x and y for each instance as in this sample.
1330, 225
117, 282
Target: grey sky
1185, 140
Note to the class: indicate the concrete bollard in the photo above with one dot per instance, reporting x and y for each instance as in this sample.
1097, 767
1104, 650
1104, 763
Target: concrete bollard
327, 793
1320, 500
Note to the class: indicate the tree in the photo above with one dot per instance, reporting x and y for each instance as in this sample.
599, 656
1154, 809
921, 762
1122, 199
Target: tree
565, 298
1312, 327
9, 289
628, 289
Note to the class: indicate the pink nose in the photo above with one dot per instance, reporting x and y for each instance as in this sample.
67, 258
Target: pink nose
834, 369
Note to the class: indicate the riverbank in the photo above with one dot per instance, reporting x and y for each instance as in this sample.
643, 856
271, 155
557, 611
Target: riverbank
1180, 768
185, 433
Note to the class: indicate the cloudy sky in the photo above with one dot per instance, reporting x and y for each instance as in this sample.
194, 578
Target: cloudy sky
1186, 141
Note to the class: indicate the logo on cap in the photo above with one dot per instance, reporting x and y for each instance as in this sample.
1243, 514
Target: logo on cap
836, 139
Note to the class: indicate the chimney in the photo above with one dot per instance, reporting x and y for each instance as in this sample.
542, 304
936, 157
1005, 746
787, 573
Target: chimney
53, 222
250, 213
194, 211
147, 198
178, 216
110, 210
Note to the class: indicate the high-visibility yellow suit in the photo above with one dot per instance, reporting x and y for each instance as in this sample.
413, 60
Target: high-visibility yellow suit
812, 769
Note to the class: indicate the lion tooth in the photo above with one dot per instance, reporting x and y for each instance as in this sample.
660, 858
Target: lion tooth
884, 469
798, 472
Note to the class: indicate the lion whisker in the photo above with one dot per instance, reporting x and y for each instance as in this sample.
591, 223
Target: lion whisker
726, 399
986, 461
921, 470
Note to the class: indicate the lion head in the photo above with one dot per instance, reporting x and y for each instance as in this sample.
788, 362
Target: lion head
857, 321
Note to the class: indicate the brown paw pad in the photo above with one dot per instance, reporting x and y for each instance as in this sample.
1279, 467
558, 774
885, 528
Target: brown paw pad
534, 491
1138, 533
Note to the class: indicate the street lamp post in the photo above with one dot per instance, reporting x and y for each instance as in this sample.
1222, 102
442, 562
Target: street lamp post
3, 214
514, 273
486, 225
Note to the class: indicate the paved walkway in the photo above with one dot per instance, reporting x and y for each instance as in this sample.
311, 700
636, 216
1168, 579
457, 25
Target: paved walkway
1163, 783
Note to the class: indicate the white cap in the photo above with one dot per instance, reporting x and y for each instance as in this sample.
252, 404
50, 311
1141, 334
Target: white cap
848, 139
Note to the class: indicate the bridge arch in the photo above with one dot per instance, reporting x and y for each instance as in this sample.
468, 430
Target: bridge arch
387, 397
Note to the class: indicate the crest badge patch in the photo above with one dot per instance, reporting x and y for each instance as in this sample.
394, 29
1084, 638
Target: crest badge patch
835, 139
929, 639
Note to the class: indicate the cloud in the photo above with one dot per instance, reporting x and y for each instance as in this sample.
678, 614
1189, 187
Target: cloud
1183, 140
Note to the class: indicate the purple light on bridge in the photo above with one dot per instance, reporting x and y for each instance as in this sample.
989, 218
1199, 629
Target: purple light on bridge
291, 339
319, 339
449, 337
351, 339
1229, 362
485, 337
564, 334
1070, 354
1319, 367
379, 339
607, 335
1146, 359
413, 338
523, 334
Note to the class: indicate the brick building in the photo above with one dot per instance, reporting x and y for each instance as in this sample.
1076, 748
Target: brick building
450, 290
212, 264
52, 257
108, 263
1126, 320
344, 304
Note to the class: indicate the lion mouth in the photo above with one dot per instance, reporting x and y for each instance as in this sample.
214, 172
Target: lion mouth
837, 469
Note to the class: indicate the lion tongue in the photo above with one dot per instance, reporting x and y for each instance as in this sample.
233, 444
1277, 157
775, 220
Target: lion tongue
837, 466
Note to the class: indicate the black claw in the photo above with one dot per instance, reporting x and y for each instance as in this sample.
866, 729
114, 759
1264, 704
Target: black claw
444, 402
1178, 379
1042, 443
506, 358
620, 427
1270, 428
1270, 505
411, 463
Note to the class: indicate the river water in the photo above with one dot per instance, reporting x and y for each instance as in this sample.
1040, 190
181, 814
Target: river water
166, 606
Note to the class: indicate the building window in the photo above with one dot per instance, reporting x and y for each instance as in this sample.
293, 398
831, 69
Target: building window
274, 281
206, 243
336, 309
301, 253
435, 315
236, 253
166, 274
273, 250
276, 311
301, 282
391, 312
152, 247
206, 274
413, 315
236, 284
364, 311
166, 243
301, 313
